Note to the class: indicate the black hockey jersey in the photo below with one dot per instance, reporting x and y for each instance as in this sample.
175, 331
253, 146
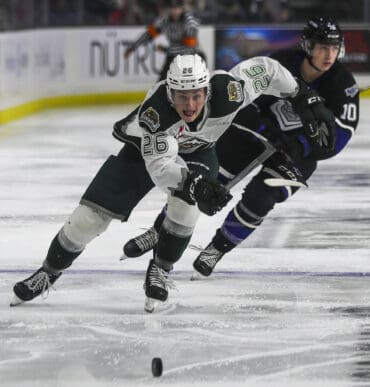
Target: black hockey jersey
338, 88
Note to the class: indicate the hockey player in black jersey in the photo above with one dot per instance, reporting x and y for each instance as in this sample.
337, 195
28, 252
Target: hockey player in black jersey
316, 64
181, 30
169, 143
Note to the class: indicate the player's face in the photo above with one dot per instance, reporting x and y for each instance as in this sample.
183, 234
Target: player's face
175, 12
189, 103
324, 55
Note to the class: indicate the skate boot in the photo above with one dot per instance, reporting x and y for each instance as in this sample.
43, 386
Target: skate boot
156, 286
206, 261
141, 244
38, 283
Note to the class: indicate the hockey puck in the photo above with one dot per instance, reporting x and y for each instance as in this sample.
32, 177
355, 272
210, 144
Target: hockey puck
157, 366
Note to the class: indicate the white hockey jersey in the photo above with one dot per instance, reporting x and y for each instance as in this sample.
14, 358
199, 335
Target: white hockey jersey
162, 136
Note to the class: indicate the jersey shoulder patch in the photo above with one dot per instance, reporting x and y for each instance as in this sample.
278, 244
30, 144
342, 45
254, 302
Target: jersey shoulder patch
150, 117
156, 113
235, 91
352, 91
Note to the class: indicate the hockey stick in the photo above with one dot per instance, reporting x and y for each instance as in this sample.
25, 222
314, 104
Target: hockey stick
269, 151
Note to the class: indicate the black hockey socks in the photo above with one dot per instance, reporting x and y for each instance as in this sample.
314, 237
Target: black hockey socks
58, 258
221, 243
169, 249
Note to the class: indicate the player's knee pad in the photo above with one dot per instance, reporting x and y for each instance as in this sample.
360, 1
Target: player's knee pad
260, 198
181, 217
83, 226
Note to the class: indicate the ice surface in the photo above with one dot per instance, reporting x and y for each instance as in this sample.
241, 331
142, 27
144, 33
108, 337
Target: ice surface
289, 307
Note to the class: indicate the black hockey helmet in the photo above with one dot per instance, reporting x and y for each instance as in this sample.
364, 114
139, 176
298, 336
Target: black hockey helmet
324, 31
174, 3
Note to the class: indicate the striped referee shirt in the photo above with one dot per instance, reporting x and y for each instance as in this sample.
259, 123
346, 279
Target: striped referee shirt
182, 34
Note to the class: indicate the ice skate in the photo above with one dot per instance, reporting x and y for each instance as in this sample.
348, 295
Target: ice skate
37, 284
140, 245
156, 286
206, 262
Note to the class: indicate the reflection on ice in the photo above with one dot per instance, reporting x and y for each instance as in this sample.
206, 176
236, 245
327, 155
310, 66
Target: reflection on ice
233, 328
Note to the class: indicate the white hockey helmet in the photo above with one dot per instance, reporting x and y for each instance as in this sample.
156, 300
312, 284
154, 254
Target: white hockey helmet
187, 72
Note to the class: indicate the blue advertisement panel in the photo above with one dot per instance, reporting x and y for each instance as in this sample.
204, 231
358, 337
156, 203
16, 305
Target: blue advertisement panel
236, 44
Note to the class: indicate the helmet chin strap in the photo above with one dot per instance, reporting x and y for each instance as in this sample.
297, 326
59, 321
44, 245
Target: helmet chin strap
312, 65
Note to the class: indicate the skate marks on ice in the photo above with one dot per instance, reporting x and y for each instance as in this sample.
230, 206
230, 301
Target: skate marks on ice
228, 330
259, 328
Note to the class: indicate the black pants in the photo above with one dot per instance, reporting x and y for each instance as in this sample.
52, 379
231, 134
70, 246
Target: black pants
236, 149
120, 184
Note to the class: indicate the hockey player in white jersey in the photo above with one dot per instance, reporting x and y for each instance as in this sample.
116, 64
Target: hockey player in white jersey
169, 143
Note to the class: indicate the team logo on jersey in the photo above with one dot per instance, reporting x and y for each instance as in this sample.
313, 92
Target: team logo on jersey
151, 118
352, 91
191, 144
235, 91
286, 117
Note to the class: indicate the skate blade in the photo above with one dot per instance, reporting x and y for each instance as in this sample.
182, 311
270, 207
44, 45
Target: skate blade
123, 257
16, 301
150, 304
196, 276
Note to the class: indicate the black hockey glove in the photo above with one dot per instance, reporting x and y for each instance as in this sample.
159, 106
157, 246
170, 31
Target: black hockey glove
318, 121
209, 194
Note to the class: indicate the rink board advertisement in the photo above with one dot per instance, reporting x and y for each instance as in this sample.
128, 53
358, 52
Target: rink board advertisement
233, 45
39, 64
236, 44
357, 56
61, 66
32, 64
49, 57
102, 55
15, 63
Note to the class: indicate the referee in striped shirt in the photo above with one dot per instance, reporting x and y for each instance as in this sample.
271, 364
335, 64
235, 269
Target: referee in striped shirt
181, 29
